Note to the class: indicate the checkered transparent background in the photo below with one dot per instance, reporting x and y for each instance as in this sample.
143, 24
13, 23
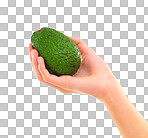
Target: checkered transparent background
116, 30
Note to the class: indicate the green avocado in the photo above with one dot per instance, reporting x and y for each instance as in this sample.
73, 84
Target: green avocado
61, 55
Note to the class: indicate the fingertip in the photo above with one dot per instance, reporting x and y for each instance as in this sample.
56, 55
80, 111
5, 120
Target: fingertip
30, 48
76, 40
34, 52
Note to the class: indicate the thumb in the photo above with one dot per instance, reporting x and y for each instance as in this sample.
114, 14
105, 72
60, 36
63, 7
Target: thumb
82, 46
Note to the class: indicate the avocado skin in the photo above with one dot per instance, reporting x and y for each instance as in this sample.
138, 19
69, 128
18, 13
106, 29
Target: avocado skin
61, 55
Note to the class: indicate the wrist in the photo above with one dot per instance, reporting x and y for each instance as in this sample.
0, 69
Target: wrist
113, 92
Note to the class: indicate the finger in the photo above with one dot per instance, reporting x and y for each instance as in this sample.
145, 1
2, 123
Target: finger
34, 56
82, 46
29, 49
61, 89
64, 81
39, 76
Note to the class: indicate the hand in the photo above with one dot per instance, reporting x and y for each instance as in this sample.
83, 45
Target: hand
93, 77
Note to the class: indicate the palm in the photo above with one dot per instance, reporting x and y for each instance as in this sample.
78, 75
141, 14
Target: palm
86, 66
92, 69
82, 71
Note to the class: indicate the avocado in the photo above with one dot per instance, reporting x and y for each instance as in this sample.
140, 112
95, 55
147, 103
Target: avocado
61, 55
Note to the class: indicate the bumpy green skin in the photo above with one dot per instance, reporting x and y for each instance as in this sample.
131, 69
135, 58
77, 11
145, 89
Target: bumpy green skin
61, 55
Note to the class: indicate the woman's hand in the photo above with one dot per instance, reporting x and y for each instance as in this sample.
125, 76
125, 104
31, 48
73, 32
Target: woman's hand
93, 77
